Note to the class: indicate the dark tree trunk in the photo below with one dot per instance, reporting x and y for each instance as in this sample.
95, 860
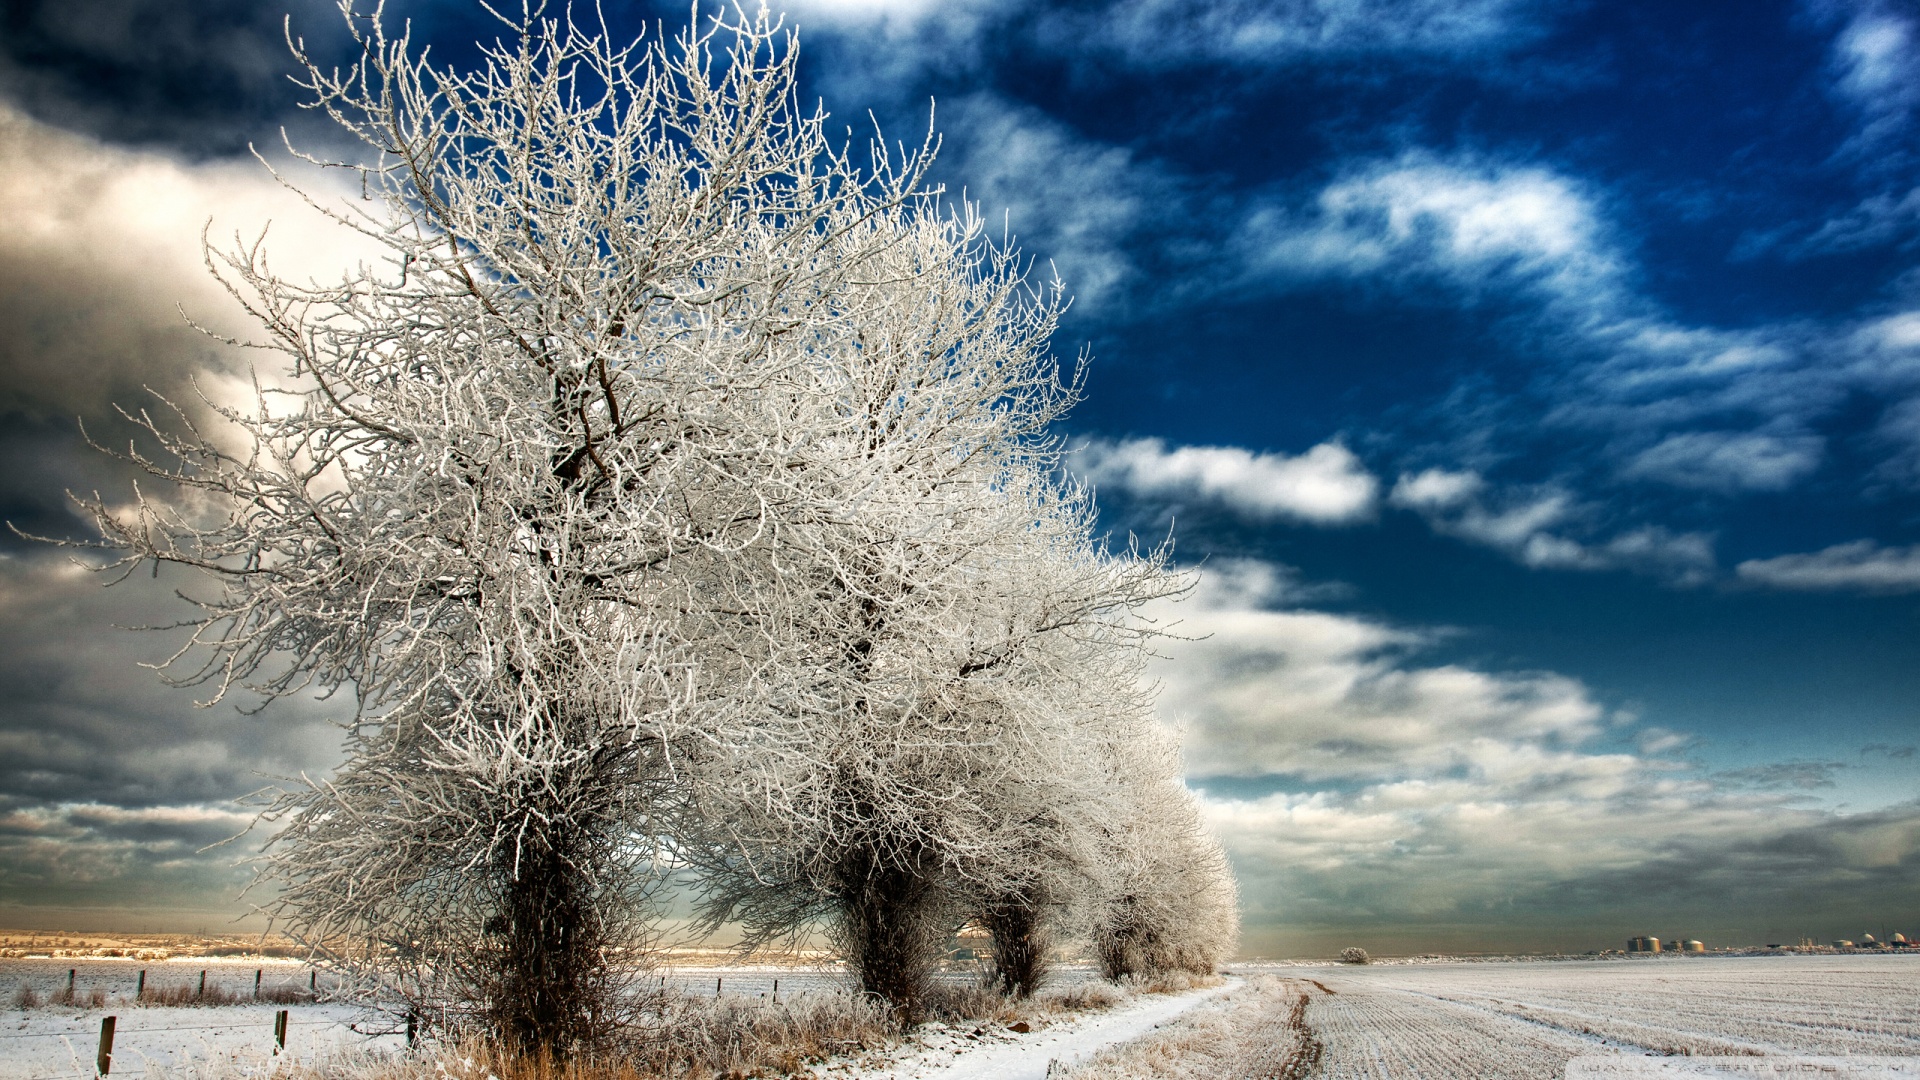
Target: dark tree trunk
550, 978
1019, 945
1120, 940
890, 920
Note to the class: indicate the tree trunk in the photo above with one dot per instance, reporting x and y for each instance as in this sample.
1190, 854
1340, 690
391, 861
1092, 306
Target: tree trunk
1117, 941
1019, 945
891, 926
549, 980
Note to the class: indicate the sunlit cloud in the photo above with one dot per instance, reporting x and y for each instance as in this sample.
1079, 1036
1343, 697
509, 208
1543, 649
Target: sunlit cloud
1473, 223
1326, 485
1275, 688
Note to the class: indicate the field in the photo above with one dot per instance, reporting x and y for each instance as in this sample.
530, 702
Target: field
1514, 1020
1415, 1021
1527, 1020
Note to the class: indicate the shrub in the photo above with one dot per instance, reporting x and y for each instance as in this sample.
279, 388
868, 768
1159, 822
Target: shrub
1355, 955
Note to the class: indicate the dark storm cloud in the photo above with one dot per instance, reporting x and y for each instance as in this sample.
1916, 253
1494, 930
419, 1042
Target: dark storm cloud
203, 77
100, 271
1827, 876
110, 781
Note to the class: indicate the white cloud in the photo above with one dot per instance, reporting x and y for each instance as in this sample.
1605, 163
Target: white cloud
1873, 55
1728, 460
1152, 33
1467, 221
1860, 566
1876, 66
1331, 696
1721, 409
1546, 527
1882, 218
1156, 33
1435, 489
1327, 485
1070, 200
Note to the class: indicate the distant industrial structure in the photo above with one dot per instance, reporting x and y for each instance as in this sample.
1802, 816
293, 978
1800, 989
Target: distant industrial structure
1652, 945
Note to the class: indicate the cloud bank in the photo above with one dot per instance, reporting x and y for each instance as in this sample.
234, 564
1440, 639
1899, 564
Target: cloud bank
1365, 793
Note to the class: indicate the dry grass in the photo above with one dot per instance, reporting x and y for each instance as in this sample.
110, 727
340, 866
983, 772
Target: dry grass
26, 997
187, 994
1171, 982
979, 1002
1084, 997
174, 996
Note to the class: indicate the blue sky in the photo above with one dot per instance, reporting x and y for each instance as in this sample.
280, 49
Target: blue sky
1538, 386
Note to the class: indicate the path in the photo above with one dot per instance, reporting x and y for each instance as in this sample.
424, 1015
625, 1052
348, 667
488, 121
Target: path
1030, 1057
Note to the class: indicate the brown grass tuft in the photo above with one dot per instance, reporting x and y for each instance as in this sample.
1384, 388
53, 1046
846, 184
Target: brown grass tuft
187, 994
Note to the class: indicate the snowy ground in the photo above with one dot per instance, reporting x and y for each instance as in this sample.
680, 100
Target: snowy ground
60, 1043
995, 1052
1531, 1019
1663, 1017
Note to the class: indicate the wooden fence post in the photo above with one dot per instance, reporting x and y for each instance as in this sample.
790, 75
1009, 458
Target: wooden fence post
280, 1031
103, 1060
140, 988
313, 982
70, 972
716, 988
203, 984
256, 984
776, 991
413, 1019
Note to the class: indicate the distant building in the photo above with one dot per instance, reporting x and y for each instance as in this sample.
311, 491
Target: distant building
1643, 944
1899, 941
1842, 943
1693, 945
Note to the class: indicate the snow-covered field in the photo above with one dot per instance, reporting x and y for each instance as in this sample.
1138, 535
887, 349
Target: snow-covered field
61, 1042
1404, 1022
1530, 1019
1845, 1016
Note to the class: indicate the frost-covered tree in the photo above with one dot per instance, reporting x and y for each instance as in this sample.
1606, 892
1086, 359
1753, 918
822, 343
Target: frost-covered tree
898, 641
1047, 883
487, 493
1171, 903
674, 493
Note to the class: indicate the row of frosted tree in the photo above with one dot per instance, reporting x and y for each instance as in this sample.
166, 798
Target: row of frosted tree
678, 503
